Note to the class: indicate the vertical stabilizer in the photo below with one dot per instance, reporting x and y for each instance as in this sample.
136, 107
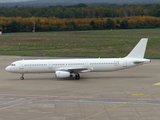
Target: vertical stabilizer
139, 50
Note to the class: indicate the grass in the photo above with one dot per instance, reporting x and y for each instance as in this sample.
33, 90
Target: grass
98, 43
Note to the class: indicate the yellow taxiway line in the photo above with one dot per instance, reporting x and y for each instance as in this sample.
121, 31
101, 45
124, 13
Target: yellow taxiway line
157, 84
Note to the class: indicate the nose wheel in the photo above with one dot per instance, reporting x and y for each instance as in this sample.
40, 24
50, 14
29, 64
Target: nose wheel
22, 77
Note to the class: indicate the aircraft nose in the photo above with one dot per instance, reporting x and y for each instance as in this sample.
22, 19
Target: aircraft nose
8, 69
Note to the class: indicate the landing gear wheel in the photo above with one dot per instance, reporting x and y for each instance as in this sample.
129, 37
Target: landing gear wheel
22, 78
77, 76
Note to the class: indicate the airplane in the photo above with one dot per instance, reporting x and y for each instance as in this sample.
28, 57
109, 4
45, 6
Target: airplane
65, 68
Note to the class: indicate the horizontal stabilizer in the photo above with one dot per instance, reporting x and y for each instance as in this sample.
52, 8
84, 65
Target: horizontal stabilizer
142, 61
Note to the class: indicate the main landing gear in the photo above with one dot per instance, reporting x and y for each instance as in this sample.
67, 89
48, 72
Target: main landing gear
77, 76
22, 77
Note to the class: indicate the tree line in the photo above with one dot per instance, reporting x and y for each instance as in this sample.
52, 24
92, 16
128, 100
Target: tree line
19, 24
73, 2
83, 11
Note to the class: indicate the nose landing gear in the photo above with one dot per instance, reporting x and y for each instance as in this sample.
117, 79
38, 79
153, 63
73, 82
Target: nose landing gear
22, 77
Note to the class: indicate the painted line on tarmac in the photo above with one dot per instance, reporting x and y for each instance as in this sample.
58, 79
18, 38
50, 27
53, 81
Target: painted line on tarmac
13, 101
76, 97
120, 105
23, 95
23, 103
138, 94
157, 83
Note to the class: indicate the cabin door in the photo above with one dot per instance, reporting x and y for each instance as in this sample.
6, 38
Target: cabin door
21, 65
116, 63
86, 64
50, 64
124, 63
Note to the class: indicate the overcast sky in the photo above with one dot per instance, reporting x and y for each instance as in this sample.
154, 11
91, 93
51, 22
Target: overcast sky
13, 0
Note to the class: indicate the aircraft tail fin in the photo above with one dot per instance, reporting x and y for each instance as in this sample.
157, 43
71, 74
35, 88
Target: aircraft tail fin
139, 50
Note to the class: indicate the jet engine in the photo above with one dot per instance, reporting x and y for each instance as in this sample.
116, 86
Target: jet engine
62, 74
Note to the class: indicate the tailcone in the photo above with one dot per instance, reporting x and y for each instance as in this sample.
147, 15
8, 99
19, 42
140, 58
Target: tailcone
146, 61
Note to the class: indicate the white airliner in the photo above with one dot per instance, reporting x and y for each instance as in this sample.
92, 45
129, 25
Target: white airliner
64, 68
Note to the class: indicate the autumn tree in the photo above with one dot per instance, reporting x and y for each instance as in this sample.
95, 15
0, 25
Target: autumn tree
110, 23
14, 26
19, 24
93, 24
124, 24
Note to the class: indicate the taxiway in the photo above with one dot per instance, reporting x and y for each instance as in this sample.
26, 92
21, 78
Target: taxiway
131, 94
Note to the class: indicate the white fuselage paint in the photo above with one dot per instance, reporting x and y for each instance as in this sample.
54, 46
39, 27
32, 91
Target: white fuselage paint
92, 65
67, 67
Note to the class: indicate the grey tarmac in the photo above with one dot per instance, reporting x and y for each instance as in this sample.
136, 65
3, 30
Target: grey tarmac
129, 94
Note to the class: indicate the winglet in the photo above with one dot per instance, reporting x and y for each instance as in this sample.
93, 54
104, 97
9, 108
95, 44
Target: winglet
139, 50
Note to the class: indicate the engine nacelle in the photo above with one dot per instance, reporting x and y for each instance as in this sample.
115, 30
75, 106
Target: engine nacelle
62, 74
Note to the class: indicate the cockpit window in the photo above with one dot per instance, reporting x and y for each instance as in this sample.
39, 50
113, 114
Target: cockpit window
13, 64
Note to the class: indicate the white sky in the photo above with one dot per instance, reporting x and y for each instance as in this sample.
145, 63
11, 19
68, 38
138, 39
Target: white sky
13, 0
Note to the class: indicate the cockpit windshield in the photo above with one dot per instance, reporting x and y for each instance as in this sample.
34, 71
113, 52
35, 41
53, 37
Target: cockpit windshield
13, 65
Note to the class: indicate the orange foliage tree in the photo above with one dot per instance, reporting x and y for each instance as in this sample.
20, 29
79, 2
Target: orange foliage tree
19, 24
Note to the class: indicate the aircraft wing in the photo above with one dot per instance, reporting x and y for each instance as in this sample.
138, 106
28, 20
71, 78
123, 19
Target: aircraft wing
74, 69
